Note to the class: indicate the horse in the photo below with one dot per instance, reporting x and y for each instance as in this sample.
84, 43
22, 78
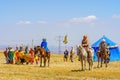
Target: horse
103, 55
26, 59
82, 54
85, 56
43, 55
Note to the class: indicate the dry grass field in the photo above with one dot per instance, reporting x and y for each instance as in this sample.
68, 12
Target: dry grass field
58, 70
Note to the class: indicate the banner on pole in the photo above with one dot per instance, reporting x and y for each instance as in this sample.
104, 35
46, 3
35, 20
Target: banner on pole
65, 41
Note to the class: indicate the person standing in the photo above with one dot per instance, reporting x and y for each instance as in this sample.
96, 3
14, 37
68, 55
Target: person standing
26, 50
72, 52
6, 55
36, 55
16, 55
66, 55
10, 55
32, 55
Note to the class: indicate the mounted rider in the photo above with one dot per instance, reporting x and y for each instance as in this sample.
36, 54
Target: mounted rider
44, 45
85, 42
104, 45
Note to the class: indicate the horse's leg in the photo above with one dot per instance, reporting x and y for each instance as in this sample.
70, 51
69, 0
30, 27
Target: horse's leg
101, 62
81, 63
72, 58
85, 63
106, 62
89, 64
44, 61
48, 61
40, 61
98, 62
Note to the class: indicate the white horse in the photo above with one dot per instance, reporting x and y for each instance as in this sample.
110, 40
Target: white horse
82, 55
85, 56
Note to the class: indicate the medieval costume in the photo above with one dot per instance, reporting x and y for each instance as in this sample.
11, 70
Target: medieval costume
44, 45
10, 55
32, 55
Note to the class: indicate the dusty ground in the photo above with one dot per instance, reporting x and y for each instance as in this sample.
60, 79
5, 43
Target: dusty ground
58, 70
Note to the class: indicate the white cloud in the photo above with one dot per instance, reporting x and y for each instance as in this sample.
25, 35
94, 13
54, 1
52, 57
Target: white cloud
24, 22
42, 22
116, 16
84, 19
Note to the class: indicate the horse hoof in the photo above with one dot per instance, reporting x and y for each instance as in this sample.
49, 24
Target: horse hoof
97, 66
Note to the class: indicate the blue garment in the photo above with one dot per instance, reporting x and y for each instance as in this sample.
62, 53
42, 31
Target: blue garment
44, 45
66, 54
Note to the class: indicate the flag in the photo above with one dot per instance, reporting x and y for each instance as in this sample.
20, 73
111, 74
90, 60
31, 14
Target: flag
65, 41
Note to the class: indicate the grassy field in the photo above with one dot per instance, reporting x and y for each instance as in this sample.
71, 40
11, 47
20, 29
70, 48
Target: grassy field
58, 70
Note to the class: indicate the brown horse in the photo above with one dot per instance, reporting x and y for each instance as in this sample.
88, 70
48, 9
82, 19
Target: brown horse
26, 59
104, 55
43, 55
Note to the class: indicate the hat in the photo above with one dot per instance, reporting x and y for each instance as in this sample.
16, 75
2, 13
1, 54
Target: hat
21, 46
103, 40
10, 47
44, 39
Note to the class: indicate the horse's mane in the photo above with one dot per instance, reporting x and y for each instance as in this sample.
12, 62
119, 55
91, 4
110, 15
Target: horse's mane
81, 50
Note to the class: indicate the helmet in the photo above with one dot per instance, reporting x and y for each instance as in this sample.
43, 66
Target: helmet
103, 40
43, 39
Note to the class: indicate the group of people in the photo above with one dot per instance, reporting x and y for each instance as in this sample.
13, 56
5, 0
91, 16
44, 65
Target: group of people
12, 56
66, 54
18, 55
86, 45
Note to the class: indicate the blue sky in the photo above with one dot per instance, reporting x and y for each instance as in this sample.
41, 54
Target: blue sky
24, 20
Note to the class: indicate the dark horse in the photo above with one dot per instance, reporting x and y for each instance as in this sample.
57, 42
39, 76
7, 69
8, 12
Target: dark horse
43, 55
103, 55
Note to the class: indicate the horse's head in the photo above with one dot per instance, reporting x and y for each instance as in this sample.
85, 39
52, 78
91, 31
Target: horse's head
81, 48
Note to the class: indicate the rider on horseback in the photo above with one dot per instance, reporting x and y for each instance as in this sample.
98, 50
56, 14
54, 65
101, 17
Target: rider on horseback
85, 43
44, 45
102, 46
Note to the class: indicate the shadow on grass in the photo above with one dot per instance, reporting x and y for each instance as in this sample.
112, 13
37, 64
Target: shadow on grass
77, 70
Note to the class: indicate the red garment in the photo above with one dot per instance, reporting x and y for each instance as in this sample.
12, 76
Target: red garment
32, 54
16, 54
5, 54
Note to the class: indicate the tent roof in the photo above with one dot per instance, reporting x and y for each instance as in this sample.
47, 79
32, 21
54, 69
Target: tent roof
111, 43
